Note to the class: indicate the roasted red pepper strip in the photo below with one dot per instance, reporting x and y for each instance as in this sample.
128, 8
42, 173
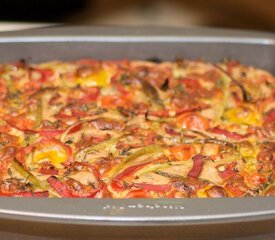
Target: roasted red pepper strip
197, 166
153, 187
80, 190
228, 134
26, 194
61, 188
138, 193
24, 127
91, 95
130, 171
48, 169
73, 188
89, 167
270, 116
229, 171
117, 183
49, 133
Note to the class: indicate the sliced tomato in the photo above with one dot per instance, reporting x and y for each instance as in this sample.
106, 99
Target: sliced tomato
193, 121
182, 152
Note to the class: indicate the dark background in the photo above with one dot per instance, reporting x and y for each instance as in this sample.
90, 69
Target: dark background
245, 14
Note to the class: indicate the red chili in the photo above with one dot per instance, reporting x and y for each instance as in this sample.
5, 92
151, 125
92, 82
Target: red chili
197, 166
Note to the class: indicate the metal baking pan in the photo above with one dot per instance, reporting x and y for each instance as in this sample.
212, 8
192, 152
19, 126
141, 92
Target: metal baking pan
129, 218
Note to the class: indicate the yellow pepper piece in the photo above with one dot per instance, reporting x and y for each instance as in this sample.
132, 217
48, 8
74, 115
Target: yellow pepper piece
100, 78
55, 155
250, 164
201, 193
244, 115
247, 149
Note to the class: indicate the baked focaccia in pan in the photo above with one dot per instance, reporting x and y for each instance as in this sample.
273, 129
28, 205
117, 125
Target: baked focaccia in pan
136, 129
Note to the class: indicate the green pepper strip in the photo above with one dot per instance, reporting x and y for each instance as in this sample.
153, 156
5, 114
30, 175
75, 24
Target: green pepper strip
95, 148
26, 174
210, 140
157, 167
146, 150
